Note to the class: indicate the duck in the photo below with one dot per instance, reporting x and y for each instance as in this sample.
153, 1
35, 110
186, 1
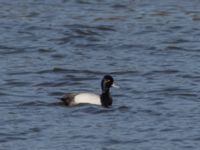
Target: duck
104, 99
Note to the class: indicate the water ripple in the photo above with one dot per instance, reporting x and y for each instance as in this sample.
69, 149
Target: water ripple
150, 48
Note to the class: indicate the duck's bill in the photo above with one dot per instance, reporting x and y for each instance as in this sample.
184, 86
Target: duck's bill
115, 86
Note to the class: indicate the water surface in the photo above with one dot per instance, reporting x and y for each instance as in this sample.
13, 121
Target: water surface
152, 49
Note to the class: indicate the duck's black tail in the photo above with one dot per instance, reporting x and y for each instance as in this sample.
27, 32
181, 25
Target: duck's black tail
68, 99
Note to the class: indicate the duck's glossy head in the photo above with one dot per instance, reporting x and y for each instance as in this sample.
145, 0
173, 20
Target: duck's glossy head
106, 82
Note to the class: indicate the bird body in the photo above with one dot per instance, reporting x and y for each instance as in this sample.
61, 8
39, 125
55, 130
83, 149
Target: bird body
103, 99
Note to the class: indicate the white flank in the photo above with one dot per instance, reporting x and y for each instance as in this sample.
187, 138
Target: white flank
89, 98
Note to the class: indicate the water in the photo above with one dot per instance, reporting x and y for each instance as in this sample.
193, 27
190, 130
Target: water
152, 49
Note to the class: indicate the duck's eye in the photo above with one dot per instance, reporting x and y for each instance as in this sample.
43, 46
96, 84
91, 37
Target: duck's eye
107, 80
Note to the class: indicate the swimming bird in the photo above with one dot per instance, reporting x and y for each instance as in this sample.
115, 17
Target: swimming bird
104, 99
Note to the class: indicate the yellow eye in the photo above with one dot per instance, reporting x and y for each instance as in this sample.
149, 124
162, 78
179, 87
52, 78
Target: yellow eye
107, 80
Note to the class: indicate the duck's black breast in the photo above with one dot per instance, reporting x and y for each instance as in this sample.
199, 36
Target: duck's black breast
106, 100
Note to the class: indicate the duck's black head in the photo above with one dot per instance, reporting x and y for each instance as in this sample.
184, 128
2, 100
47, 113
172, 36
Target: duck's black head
106, 83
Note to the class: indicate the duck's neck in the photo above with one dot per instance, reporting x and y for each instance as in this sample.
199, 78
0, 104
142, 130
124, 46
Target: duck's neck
106, 99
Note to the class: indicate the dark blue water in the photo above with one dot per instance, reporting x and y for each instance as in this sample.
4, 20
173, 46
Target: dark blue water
152, 49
